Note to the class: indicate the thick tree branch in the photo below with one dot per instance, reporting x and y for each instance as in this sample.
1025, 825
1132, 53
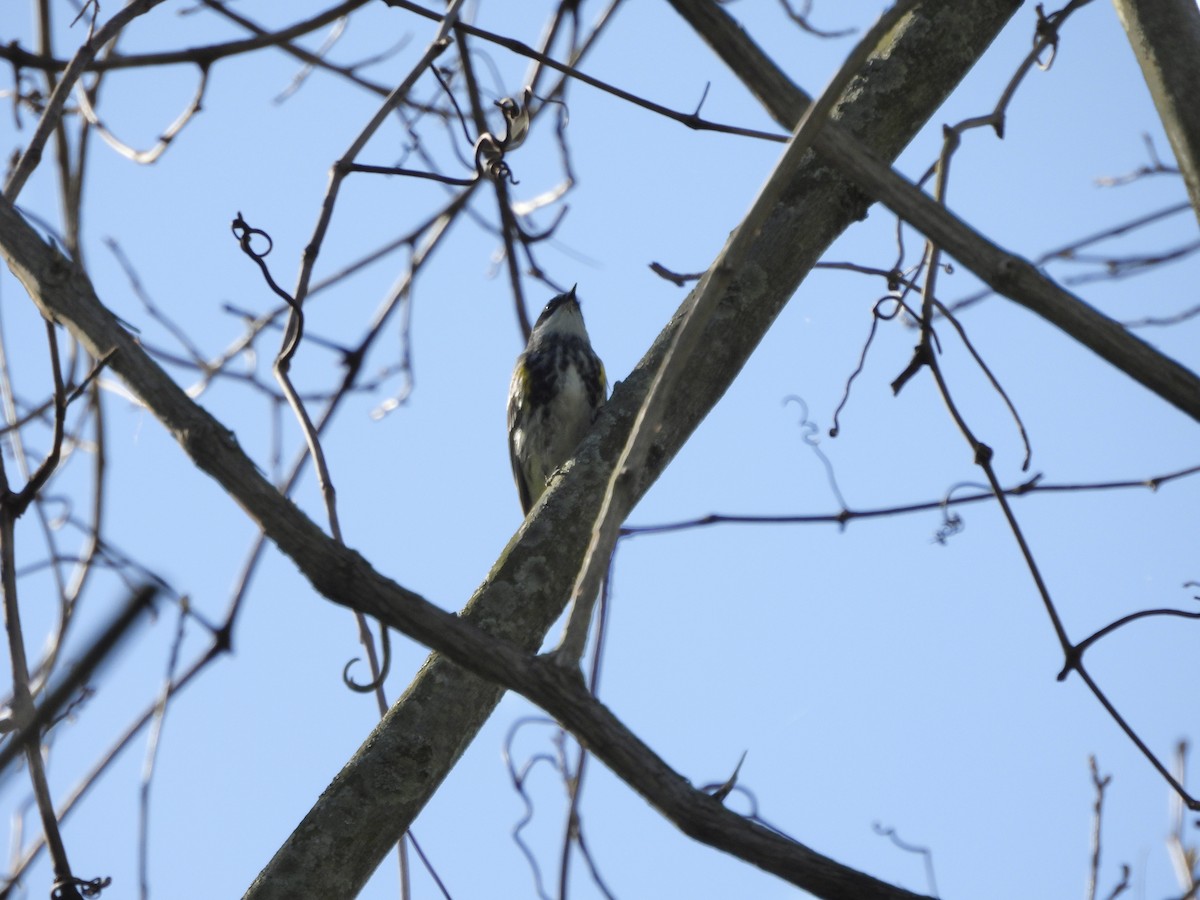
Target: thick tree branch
1020, 281
1006, 273
1165, 36
375, 798
65, 296
735, 258
381, 790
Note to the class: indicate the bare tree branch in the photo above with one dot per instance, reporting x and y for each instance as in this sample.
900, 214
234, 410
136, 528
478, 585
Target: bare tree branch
395, 766
1165, 36
52, 114
65, 295
1004, 272
699, 310
188, 56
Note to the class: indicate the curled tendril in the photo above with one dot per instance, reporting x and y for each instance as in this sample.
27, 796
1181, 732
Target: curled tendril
897, 306
519, 775
516, 119
489, 158
67, 887
386, 665
878, 314
952, 522
810, 431
1046, 30
490, 149
245, 233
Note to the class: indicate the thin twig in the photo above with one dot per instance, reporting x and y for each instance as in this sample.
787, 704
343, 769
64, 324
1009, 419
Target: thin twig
1098, 785
52, 112
191, 56
101, 648
48, 465
144, 157
691, 120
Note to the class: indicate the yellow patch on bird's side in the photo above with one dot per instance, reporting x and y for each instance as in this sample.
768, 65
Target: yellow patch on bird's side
523, 378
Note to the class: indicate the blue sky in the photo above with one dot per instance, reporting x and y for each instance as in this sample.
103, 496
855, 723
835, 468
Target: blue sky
870, 674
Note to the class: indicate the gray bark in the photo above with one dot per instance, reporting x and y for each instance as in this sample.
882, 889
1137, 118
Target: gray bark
378, 794
1165, 36
370, 804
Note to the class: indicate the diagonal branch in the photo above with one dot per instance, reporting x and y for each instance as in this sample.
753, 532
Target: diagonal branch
65, 295
700, 308
1165, 36
402, 763
1004, 272
1020, 281
381, 790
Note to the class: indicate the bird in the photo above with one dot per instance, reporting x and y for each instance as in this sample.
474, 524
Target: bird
558, 386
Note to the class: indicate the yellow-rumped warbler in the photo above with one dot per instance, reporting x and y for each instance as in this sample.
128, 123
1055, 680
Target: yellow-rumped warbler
557, 387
